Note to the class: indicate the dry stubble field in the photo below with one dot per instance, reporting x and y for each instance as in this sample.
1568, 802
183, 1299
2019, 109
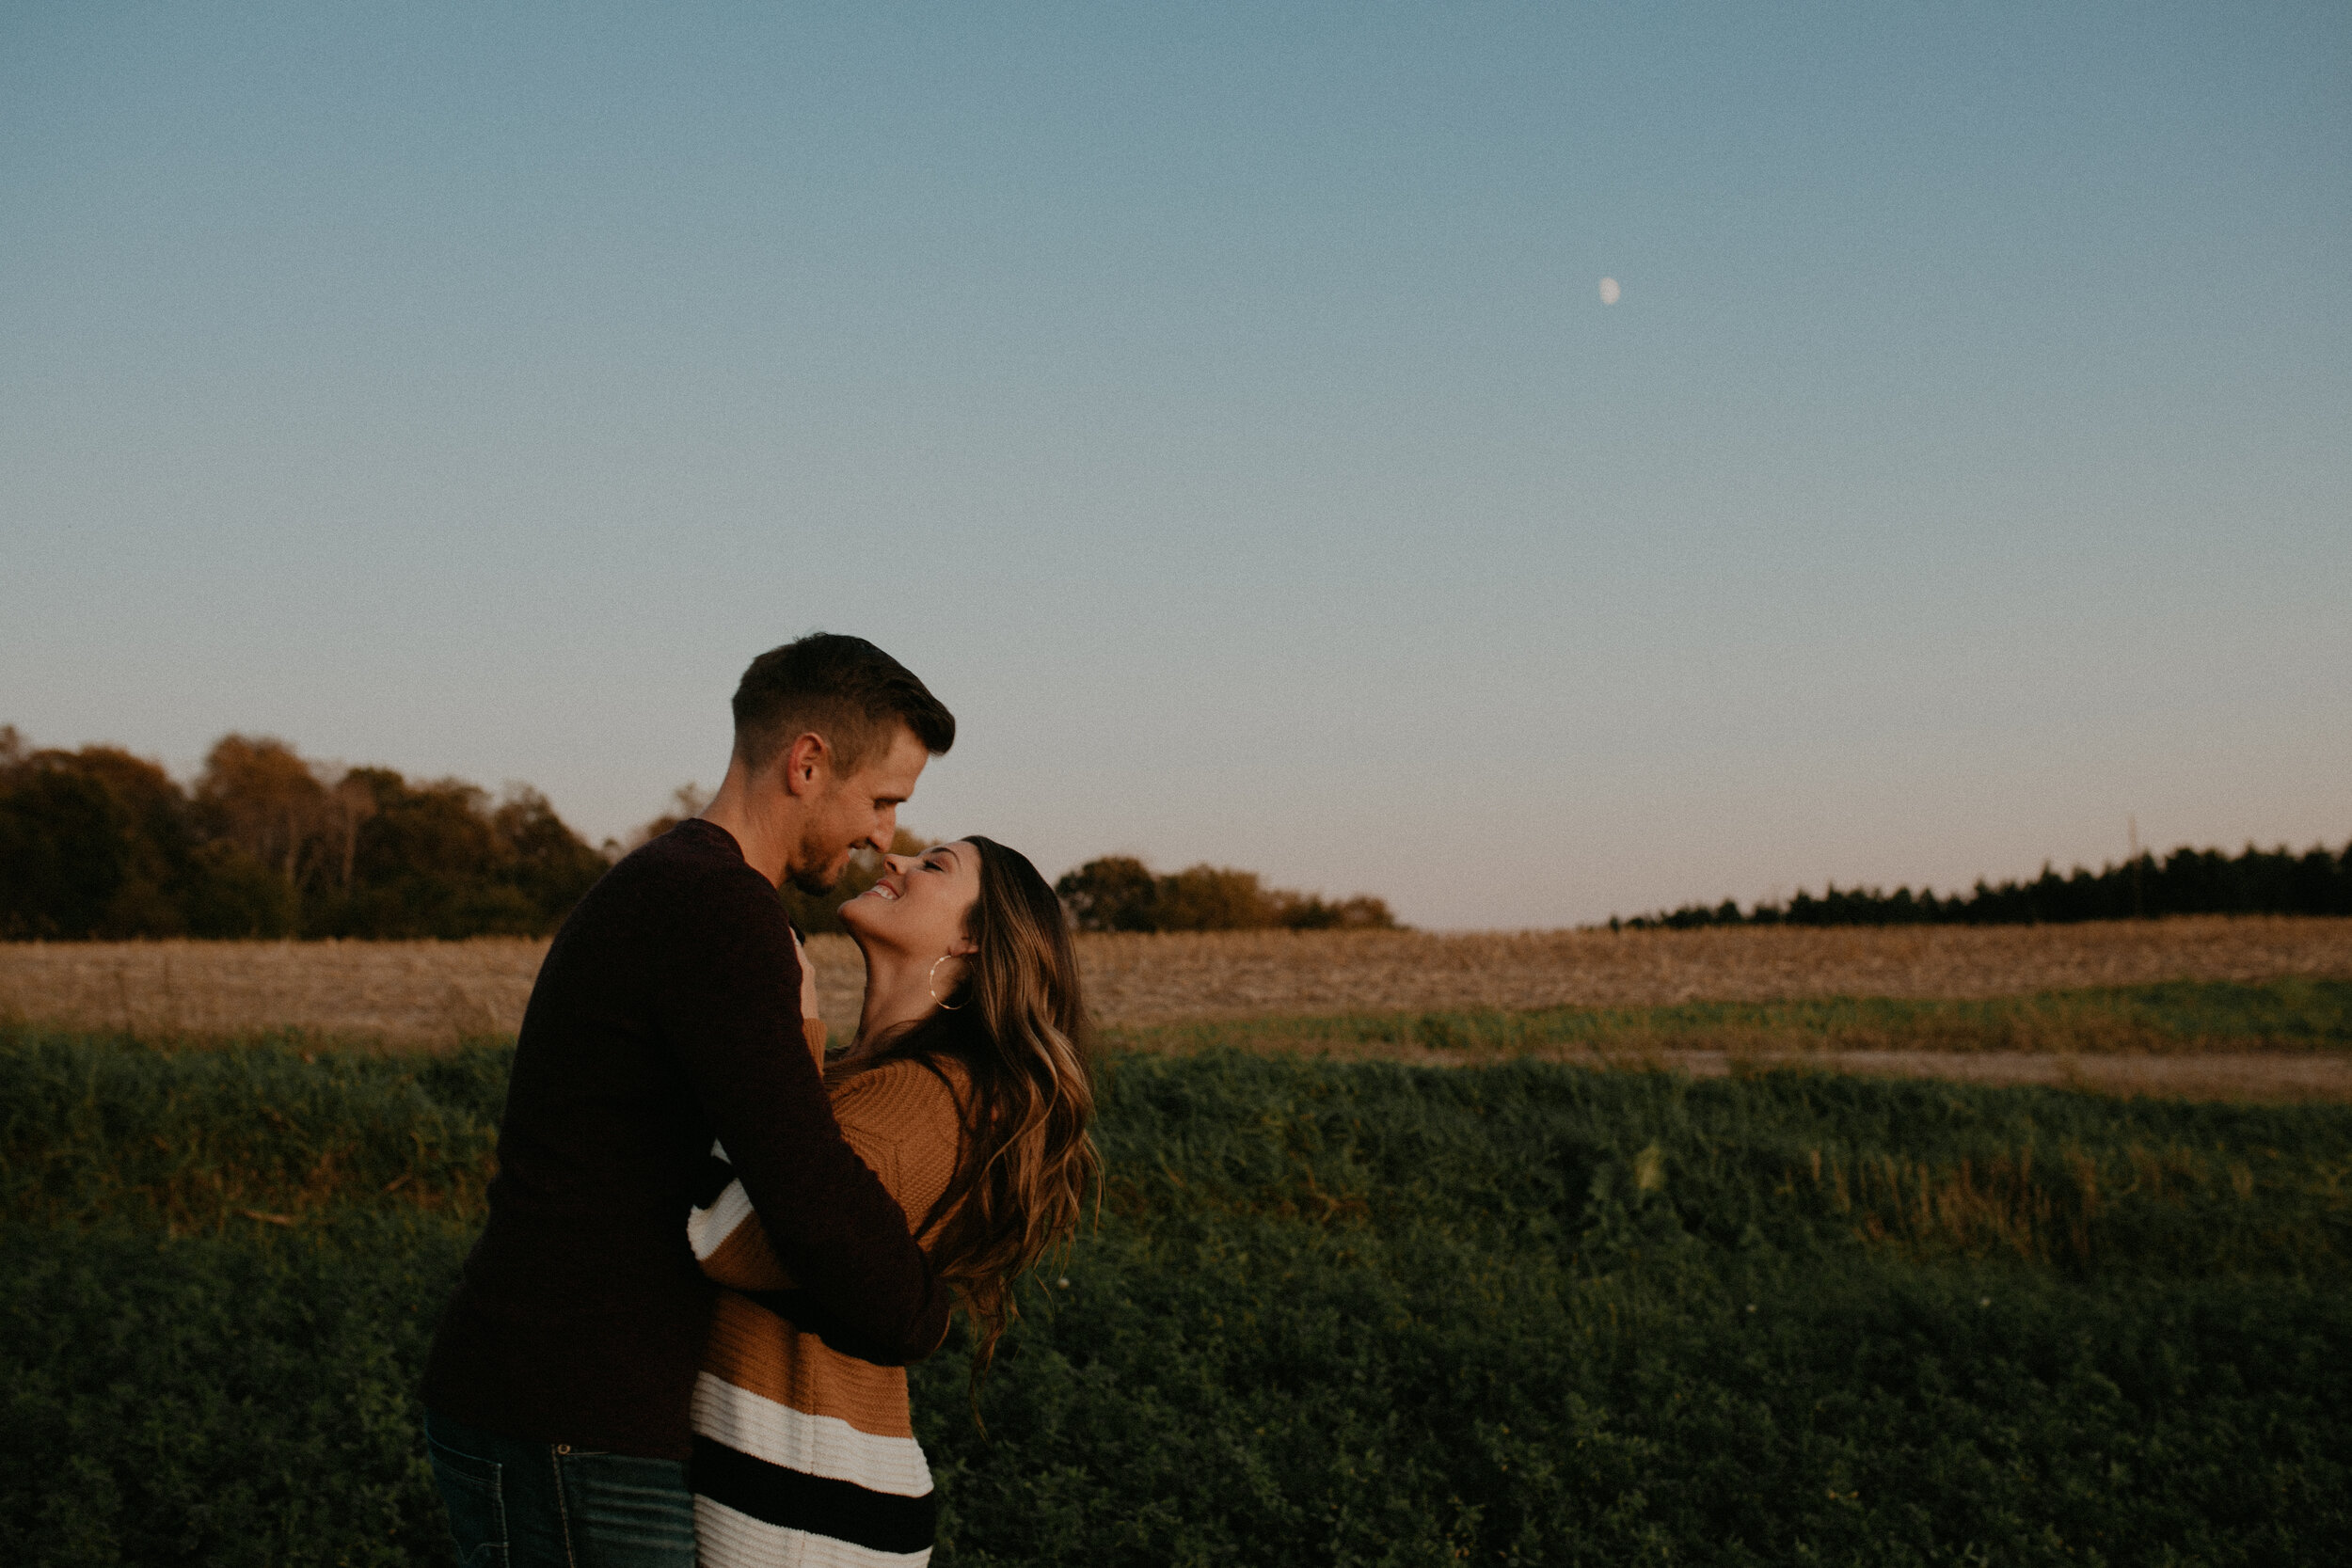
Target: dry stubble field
427, 993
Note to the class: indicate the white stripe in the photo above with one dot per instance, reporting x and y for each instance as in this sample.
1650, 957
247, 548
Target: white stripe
813, 1445
707, 1229
726, 1539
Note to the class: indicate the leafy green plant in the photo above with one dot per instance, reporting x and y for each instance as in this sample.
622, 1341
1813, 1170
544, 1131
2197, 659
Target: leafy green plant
1347, 1313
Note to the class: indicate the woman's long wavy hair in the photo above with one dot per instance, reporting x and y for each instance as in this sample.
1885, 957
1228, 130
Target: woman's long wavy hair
1017, 1022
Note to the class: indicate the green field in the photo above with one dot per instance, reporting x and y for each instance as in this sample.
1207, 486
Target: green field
1334, 1312
2173, 1016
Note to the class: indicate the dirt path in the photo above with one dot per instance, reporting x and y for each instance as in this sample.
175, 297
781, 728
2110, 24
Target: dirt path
2271, 1076
2265, 1075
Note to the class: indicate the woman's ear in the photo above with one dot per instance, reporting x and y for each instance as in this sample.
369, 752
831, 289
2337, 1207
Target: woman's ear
962, 947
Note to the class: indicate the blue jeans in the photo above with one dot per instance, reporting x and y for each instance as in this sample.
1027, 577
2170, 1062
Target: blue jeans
516, 1504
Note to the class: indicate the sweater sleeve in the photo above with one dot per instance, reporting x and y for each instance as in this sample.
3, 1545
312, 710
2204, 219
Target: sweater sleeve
901, 1120
728, 1001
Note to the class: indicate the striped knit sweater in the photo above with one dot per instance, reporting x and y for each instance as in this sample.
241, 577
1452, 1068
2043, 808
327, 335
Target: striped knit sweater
803, 1456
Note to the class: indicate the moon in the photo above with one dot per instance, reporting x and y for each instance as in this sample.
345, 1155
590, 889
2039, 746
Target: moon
1609, 291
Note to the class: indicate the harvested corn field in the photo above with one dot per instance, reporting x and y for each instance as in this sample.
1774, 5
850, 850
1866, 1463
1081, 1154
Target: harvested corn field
422, 993
1151, 979
399, 992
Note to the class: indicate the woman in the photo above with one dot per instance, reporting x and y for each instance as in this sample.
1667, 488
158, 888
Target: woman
967, 1091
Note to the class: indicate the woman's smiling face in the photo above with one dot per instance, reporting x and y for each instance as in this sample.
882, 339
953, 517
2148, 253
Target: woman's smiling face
922, 904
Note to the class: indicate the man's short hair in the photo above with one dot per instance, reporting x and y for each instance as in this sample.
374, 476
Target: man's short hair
841, 687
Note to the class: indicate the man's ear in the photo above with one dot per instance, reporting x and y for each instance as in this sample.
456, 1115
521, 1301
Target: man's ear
807, 763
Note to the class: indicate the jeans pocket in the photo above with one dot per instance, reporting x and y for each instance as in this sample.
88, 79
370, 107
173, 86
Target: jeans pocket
630, 1511
476, 1500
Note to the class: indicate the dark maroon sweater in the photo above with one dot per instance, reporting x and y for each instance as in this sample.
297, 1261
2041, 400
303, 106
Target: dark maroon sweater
668, 1011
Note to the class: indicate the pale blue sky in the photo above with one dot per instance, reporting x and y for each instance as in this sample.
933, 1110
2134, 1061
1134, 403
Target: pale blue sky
1218, 407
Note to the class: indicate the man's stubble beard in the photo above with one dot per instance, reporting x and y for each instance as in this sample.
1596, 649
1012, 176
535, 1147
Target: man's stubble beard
818, 877
815, 883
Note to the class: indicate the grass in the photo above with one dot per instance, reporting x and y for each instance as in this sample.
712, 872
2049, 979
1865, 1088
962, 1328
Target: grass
2173, 1016
98, 1130
1349, 1312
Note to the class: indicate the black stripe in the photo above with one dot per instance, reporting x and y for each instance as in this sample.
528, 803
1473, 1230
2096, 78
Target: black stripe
794, 1499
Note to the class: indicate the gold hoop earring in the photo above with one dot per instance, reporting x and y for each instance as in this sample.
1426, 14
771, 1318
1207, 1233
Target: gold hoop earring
931, 987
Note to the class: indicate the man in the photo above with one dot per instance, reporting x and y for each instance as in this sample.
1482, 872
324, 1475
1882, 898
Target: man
668, 1012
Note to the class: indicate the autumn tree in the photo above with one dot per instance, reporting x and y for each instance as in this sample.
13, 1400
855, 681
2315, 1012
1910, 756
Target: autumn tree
1210, 899
256, 794
1119, 893
1116, 892
64, 852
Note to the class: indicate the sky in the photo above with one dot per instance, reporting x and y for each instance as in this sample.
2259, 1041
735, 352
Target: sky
1218, 407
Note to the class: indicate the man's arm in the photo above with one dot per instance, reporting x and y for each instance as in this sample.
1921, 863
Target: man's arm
731, 1008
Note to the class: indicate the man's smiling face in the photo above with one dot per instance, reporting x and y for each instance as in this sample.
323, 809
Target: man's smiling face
854, 810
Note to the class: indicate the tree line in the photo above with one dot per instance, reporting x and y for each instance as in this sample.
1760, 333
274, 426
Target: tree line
101, 844
98, 843
2186, 882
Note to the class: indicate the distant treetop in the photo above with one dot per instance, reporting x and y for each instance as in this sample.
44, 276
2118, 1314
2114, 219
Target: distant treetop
1119, 893
2186, 882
